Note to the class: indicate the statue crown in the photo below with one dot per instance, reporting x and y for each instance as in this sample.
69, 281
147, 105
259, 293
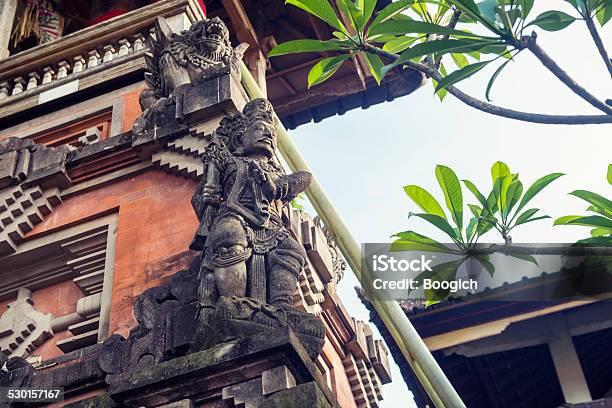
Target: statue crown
258, 109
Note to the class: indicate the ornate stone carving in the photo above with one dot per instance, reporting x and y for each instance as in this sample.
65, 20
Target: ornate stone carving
14, 372
23, 328
176, 61
166, 317
29, 177
250, 263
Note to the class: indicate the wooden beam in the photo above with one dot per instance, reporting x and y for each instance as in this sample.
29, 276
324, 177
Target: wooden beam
567, 364
254, 57
242, 25
480, 331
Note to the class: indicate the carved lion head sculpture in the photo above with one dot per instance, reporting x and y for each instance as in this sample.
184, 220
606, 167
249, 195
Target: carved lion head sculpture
206, 41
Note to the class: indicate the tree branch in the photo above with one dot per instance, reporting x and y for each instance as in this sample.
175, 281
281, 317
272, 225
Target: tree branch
529, 42
451, 24
598, 42
493, 109
507, 249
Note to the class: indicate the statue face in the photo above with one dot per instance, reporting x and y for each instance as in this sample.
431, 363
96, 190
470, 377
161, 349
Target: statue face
216, 39
259, 137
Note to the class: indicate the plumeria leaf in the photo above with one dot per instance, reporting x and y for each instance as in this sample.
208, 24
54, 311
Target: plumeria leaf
297, 46
425, 200
325, 68
321, 9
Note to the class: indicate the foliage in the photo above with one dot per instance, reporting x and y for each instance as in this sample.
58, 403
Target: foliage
502, 209
418, 34
601, 218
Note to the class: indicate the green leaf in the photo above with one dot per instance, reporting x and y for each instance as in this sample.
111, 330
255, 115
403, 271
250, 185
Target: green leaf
412, 241
479, 196
525, 257
449, 183
579, 5
595, 199
398, 44
536, 187
391, 11
513, 194
526, 215
401, 27
543, 217
297, 46
604, 13
526, 6
424, 200
470, 8
610, 174
348, 8
325, 68
461, 74
442, 92
600, 211
588, 221
471, 228
552, 20
601, 232
375, 64
459, 59
497, 49
499, 169
493, 78
320, 9
440, 223
425, 48
444, 272
486, 263
476, 210
367, 9
487, 9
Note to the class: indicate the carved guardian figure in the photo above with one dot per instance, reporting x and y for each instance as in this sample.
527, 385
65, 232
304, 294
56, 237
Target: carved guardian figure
250, 263
178, 60
247, 250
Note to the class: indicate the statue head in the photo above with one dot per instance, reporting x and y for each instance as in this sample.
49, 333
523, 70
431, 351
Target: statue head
210, 37
259, 135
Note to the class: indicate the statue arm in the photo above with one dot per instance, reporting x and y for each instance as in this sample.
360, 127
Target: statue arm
289, 186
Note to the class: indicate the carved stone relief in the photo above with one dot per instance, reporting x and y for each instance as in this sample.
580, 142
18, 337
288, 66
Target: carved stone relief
22, 327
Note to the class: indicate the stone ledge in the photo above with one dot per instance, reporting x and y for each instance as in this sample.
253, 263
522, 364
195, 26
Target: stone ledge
201, 376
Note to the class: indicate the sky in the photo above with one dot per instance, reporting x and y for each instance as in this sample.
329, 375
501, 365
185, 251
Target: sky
364, 158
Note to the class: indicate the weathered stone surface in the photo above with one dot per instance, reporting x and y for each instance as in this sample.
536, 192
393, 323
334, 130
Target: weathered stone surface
304, 395
200, 55
276, 379
166, 318
98, 401
14, 371
202, 376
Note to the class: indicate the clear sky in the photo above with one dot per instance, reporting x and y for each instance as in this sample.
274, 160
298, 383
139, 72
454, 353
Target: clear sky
365, 157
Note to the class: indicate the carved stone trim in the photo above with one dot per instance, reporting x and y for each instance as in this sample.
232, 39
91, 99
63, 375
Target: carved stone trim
22, 327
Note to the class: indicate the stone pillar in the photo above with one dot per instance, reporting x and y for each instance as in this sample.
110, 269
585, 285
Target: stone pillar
567, 365
7, 17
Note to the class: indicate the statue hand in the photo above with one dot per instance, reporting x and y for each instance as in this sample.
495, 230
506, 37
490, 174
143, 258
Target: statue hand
211, 194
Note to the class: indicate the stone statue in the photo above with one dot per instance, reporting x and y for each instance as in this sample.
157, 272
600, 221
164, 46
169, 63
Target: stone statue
243, 280
239, 204
250, 263
178, 60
